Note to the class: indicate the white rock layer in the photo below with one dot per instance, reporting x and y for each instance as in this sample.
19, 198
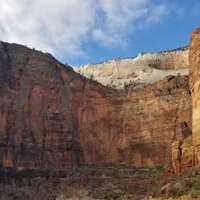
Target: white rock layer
145, 68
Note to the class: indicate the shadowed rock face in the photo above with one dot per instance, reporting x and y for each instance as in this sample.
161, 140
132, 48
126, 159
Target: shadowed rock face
51, 117
37, 126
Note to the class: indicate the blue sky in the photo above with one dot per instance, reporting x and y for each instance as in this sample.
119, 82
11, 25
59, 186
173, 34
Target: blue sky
78, 32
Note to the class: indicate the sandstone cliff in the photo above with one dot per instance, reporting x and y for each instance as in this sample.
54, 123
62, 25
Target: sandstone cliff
144, 69
52, 117
194, 59
186, 151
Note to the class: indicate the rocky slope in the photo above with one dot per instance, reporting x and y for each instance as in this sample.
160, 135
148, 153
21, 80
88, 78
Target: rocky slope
144, 69
52, 117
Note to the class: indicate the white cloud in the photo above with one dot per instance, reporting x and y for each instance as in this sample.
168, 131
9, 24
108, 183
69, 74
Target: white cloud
119, 18
155, 15
61, 27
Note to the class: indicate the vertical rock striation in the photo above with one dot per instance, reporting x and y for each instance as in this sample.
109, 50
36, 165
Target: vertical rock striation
52, 117
194, 59
37, 127
189, 147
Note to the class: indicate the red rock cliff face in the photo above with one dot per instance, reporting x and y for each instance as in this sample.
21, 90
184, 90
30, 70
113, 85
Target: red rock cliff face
194, 59
52, 117
186, 152
37, 126
136, 126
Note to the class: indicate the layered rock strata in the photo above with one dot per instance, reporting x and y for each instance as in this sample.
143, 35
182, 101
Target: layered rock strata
144, 69
52, 117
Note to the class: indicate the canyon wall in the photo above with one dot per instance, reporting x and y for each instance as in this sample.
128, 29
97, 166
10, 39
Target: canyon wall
144, 69
136, 126
194, 59
36, 118
186, 152
52, 117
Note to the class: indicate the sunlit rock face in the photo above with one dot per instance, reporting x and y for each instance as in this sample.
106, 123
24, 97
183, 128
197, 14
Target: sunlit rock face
52, 117
146, 68
194, 59
189, 148
137, 126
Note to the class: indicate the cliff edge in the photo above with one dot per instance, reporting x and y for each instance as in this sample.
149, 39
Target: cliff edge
146, 68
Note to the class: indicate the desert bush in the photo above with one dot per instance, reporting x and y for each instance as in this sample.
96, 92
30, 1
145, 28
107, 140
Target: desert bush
13, 193
131, 84
91, 76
